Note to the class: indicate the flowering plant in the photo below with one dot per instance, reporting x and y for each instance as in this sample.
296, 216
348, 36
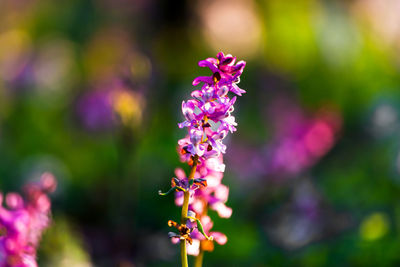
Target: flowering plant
208, 120
22, 224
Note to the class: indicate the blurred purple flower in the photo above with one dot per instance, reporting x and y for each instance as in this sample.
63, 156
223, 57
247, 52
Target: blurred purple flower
297, 143
109, 106
301, 147
95, 110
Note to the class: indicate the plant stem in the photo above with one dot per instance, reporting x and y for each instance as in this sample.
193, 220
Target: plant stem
185, 208
199, 259
183, 254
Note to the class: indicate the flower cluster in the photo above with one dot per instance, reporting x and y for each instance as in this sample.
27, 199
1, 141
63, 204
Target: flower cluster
208, 120
211, 108
22, 224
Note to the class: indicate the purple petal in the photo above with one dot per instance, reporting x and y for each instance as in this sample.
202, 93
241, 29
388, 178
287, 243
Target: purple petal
220, 56
236, 90
212, 60
184, 124
206, 63
204, 79
197, 94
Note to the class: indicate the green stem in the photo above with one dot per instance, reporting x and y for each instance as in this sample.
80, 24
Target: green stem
185, 208
199, 259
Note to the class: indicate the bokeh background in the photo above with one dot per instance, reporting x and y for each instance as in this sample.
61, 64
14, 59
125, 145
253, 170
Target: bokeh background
91, 90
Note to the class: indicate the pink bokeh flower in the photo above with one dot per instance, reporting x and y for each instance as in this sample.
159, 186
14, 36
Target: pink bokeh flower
23, 222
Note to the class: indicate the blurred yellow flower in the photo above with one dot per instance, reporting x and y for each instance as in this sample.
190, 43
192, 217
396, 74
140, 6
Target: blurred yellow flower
374, 226
128, 106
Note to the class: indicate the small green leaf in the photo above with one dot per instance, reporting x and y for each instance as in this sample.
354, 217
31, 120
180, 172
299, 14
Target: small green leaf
200, 227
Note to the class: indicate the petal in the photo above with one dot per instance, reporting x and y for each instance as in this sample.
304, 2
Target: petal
196, 150
240, 66
212, 60
175, 240
198, 206
179, 198
209, 108
205, 79
207, 223
48, 182
218, 145
211, 154
206, 63
233, 100
188, 110
213, 180
220, 238
222, 210
195, 136
220, 56
215, 164
184, 124
228, 61
222, 192
180, 173
183, 141
14, 201
194, 248
197, 94
236, 90
237, 69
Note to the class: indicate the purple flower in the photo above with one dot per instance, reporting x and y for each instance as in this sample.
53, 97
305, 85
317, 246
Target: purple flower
208, 121
225, 72
211, 106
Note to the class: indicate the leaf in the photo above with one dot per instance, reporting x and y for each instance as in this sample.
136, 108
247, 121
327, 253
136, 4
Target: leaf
200, 227
201, 230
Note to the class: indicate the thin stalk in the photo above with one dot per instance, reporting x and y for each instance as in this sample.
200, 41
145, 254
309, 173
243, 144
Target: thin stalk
199, 259
185, 208
183, 254
198, 262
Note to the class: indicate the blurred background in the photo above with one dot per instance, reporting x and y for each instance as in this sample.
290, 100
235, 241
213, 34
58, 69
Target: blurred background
91, 90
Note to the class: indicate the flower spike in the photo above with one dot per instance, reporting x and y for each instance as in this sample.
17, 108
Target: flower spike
208, 119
